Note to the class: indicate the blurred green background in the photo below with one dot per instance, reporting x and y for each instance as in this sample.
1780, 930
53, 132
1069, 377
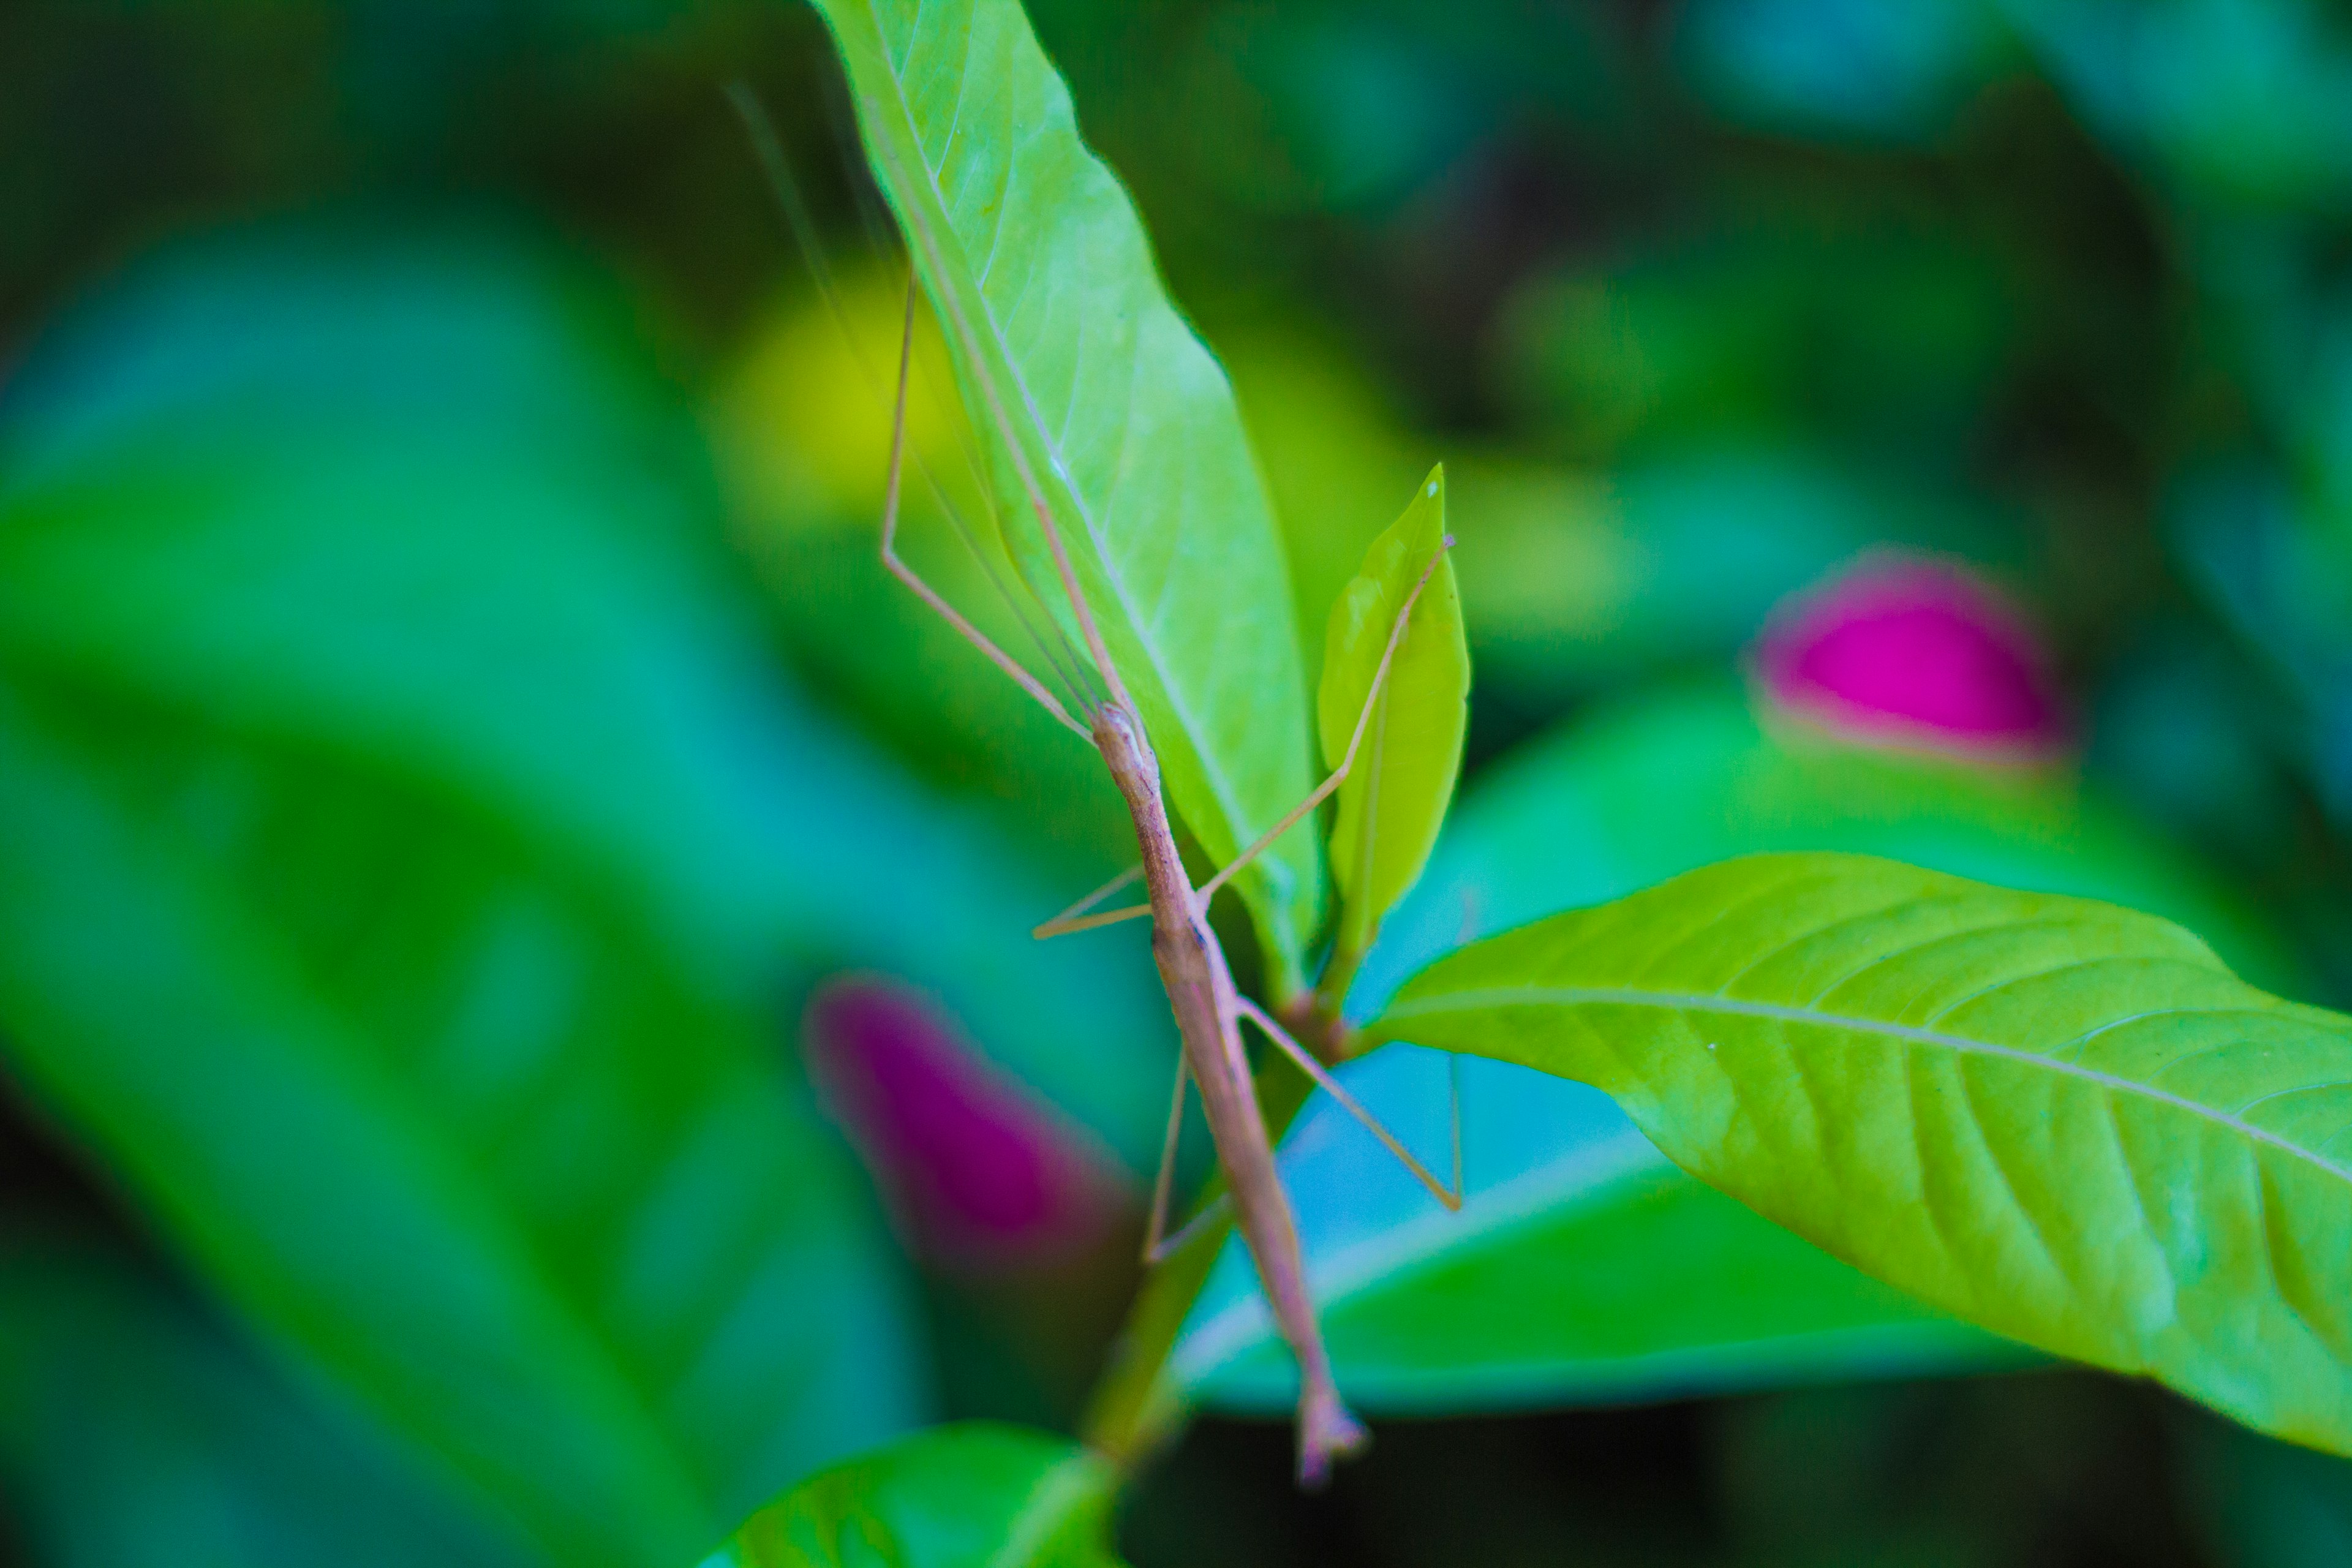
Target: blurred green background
455, 741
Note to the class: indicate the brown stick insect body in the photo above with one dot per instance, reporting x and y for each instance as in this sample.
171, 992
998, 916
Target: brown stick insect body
1207, 1007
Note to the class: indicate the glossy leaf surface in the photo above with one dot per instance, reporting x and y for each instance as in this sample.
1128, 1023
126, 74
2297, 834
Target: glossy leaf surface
1081, 379
2061, 1120
968, 1496
1395, 796
1585, 1264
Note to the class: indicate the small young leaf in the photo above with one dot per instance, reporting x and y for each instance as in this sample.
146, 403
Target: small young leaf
1395, 797
1079, 375
2060, 1120
968, 1496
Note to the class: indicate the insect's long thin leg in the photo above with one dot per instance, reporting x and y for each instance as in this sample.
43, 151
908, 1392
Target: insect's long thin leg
1157, 1243
1062, 925
1451, 1198
1020, 455
905, 573
1161, 1182
1067, 921
768, 148
1453, 1112
1339, 774
1217, 1209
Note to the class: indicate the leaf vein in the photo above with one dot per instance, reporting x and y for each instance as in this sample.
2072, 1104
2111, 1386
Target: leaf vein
1572, 996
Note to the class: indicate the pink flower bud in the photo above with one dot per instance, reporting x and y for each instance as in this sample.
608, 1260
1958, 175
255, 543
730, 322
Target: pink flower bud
982, 1175
1917, 653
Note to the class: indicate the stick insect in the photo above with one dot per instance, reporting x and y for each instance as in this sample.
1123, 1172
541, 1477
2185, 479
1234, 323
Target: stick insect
1208, 1007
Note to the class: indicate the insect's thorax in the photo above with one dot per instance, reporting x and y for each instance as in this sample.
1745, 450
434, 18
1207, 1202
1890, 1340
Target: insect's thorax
1135, 769
1192, 964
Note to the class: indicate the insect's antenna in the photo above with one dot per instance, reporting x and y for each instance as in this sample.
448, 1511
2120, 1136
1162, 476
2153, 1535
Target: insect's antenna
770, 149
1003, 421
1057, 646
1060, 658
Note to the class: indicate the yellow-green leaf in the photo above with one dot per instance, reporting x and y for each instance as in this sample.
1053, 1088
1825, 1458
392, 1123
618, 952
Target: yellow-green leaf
2065, 1122
1395, 797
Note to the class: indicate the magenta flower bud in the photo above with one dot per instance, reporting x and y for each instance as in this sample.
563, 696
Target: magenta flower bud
1915, 653
982, 1175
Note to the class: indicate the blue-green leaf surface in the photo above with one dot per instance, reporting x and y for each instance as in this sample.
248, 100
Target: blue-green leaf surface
970, 1496
1586, 1265
2060, 1120
1583, 1269
1077, 372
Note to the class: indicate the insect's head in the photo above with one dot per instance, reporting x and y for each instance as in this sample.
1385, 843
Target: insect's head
1120, 736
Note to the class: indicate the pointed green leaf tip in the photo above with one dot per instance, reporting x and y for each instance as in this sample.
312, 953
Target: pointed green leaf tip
968, 1496
1078, 375
1395, 797
2065, 1121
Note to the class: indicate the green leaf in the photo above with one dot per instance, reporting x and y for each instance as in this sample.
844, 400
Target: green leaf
137, 1432
968, 1496
1585, 1264
404, 854
2064, 1121
1032, 257
430, 1113
1394, 799
417, 502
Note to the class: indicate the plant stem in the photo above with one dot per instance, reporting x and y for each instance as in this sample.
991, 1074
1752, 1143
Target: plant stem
1316, 1018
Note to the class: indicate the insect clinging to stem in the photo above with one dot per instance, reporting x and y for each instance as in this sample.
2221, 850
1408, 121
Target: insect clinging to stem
1208, 1007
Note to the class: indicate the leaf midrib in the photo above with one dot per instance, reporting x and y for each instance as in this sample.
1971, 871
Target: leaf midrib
1693, 1001
1211, 770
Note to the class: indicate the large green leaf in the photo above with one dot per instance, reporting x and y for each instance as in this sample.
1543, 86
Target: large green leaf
968, 1496
1395, 796
435, 1115
1080, 376
411, 501
1585, 1264
2061, 1120
137, 1432
401, 845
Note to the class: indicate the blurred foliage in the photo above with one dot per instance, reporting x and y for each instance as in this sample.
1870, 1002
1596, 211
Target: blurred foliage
451, 716
968, 1494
